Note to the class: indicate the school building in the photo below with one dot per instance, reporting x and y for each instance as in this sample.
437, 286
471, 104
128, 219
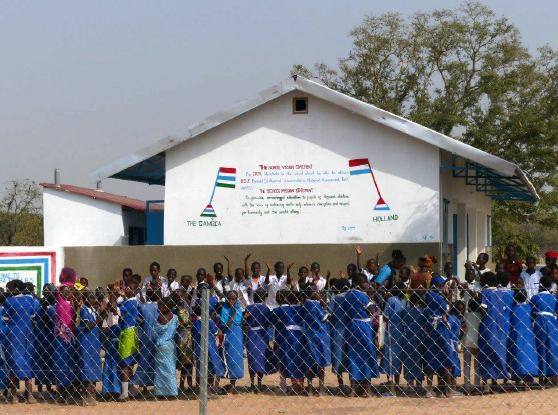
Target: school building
299, 168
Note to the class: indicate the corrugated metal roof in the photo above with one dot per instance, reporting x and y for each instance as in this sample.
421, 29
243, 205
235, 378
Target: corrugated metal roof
147, 164
128, 202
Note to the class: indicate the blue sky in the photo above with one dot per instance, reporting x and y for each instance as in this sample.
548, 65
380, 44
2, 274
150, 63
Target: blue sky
84, 83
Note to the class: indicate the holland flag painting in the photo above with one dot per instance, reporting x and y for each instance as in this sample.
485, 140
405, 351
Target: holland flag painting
362, 166
226, 177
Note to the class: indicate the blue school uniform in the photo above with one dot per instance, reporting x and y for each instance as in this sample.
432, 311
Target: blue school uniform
19, 313
111, 369
44, 347
128, 342
165, 358
413, 357
359, 337
215, 365
438, 348
147, 321
88, 347
546, 332
233, 342
523, 358
3, 368
337, 328
258, 352
290, 340
455, 329
64, 359
392, 359
493, 336
316, 334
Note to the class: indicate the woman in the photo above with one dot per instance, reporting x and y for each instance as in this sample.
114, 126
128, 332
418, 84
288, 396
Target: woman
231, 325
387, 274
165, 355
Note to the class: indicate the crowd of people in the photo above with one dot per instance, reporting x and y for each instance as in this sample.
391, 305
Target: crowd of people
369, 320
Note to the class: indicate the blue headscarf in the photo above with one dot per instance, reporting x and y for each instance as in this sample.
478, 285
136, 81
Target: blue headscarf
227, 310
437, 280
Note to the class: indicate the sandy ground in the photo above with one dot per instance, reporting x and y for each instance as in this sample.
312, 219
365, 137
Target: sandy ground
536, 402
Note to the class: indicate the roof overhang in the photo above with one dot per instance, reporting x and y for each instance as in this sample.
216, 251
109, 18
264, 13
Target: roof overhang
147, 164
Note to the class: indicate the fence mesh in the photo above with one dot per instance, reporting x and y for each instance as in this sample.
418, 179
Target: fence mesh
272, 345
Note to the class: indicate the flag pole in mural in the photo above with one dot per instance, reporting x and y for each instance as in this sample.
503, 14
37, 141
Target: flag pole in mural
226, 177
362, 166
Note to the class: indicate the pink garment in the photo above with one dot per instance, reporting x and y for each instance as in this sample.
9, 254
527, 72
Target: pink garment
65, 325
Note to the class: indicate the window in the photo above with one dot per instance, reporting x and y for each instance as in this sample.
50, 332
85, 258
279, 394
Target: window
300, 105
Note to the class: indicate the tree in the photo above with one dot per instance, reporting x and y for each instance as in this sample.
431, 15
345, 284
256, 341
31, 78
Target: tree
466, 74
21, 220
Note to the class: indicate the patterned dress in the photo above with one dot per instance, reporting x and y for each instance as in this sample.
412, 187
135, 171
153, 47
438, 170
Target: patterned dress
184, 344
165, 358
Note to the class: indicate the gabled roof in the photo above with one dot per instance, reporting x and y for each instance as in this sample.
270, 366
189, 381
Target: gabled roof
127, 202
147, 164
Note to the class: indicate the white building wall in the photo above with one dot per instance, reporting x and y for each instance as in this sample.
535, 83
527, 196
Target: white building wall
405, 168
75, 220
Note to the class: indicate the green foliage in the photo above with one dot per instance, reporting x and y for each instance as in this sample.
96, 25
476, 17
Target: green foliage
464, 73
21, 220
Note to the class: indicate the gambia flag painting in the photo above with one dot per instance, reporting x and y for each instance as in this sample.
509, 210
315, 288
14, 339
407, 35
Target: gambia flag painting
226, 177
358, 167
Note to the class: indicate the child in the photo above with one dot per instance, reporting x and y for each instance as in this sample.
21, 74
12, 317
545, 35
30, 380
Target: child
522, 351
471, 288
438, 345
371, 270
111, 332
454, 321
239, 285
302, 276
89, 345
171, 280
257, 349
338, 324
19, 314
493, 333
165, 351
254, 277
531, 277
405, 275
352, 270
546, 332
480, 265
289, 338
452, 282
320, 282
274, 283
359, 338
155, 280
316, 335
147, 321
471, 346
44, 348
413, 356
392, 359
184, 338
231, 326
215, 366
84, 282
128, 341
3, 332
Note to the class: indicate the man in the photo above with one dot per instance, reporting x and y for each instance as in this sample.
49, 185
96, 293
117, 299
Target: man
550, 258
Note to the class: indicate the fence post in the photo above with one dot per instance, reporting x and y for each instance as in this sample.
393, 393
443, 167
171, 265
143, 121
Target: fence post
204, 349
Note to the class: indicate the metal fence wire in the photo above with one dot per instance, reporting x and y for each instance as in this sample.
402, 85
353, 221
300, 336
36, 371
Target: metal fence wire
272, 345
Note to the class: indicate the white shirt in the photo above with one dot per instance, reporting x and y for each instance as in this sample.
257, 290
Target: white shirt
244, 294
175, 285
320, 285
475, 287
369, 275
165, 292
531, 282
275, 284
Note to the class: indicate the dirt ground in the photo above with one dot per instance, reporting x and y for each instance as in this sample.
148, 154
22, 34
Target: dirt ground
535, 402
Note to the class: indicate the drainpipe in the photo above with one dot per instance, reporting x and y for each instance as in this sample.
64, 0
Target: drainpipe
57, 177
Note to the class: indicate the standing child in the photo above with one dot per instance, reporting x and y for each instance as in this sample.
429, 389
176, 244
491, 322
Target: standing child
128, 341
274, 283
320, 282
231, 326
359, 338
289, 338
165, 354
19, 313
392, 359
413, 354
531, 277
493, 334
471, 345
337, 324
523, 352
89, 345
184, 345
372, 266
64, 345
302, 275
257, 348
111, 332
317, 336
44, 375
438, 345
546, 332
455, 322
171, 280
147, 321
253, 276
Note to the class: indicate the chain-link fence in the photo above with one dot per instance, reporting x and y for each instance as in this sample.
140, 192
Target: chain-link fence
271, 345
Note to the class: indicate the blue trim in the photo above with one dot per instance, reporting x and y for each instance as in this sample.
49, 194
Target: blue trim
229, 178
44, 261
357, 172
